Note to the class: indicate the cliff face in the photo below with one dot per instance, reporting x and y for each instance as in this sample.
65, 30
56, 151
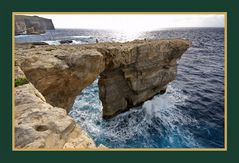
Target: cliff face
32, 24
137, 72
40, 125
130, 73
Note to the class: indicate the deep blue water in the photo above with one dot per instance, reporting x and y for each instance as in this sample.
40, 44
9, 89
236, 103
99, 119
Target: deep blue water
191, 112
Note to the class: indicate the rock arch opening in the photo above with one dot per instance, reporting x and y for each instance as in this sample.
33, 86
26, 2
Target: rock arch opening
130, 73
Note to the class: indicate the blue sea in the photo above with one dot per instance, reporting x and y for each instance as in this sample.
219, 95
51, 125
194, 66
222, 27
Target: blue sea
189, 115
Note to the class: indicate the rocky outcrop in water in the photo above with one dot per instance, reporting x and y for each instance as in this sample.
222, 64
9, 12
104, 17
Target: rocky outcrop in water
130, 73
137, 72
32, 25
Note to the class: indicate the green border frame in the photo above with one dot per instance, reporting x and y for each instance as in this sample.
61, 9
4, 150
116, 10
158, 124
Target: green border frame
229, 6
123, 149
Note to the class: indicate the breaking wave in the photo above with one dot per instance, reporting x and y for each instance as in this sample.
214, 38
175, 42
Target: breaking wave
158, 123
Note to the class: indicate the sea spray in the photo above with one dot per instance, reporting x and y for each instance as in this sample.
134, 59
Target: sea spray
158, 123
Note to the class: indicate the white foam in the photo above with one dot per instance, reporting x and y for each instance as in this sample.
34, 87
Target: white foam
76, 42
159, 112
19, 36
56, 42
81, 36
163, 107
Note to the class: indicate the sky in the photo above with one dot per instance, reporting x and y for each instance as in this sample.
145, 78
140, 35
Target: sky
134, 22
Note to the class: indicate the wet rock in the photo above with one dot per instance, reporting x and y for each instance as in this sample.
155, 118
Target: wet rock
32, 25
66, 41
39, 43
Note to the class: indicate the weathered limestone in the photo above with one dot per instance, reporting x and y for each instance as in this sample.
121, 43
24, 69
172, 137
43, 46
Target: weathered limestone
144, 71
40, 125
130, 73
60, 78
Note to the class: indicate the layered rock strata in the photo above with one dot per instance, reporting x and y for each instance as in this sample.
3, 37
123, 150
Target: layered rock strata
130, 73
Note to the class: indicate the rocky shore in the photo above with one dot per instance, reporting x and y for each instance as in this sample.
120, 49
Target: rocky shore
130, 73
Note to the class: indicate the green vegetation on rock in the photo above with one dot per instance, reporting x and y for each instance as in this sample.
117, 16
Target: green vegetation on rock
21, 81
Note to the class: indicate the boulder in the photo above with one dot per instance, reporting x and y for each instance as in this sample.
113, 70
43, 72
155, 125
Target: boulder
66, 41
39, 43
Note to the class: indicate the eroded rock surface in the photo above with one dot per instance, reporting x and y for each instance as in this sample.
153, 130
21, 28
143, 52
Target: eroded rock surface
61, 77
130, 73
138, 72
40, 125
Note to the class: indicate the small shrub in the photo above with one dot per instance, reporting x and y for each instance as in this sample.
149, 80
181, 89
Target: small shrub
21, 81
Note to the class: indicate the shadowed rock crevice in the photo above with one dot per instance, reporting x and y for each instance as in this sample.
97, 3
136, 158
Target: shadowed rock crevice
130, 73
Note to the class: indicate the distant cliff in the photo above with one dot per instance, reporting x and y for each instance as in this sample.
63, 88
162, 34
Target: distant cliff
32, 25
